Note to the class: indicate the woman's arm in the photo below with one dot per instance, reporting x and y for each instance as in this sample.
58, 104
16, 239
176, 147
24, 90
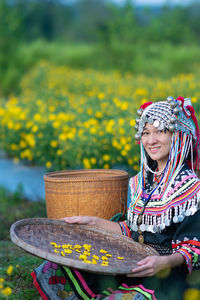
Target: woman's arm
96, 222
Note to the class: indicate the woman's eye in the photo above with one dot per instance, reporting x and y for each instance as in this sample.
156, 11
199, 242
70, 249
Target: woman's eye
160, 131
145, 133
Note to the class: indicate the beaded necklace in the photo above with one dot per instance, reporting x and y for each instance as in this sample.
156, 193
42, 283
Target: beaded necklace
146, 199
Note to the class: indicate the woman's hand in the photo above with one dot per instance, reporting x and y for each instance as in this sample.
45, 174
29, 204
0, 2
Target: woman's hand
85, 220
94, 221
149, 266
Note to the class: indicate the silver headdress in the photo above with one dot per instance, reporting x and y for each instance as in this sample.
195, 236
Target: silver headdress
171, 114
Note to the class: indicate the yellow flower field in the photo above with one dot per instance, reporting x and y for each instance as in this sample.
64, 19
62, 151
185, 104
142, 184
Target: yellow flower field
67, 118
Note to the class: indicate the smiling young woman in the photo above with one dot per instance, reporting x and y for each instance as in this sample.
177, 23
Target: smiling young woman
163, 212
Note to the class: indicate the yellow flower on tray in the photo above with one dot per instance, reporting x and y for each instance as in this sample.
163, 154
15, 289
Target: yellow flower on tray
109, 255
77, 250
120, 257
104, 258
105, 263
102, 251
53, 244
87, 261
94, 262
77, 246
86, 253
68, 251
95, 257
82, 256
87, 247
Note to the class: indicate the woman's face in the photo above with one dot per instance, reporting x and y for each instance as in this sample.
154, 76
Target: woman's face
157, 144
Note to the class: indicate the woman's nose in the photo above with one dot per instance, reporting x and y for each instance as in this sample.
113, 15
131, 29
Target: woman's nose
152, 138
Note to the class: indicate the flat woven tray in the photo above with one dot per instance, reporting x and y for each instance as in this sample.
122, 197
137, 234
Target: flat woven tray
36, 235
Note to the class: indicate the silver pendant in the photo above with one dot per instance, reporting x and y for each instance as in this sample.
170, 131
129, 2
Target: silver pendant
188, 212
167, 222
162, 226
134, 227
193, 210
150, 228
180, 218
154, 228
175, 219
142, 227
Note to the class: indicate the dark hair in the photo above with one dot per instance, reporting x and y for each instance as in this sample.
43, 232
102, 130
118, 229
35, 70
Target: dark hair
152, 165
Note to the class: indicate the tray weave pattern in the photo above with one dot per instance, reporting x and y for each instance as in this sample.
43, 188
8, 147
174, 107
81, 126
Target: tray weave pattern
101, 193
35, 236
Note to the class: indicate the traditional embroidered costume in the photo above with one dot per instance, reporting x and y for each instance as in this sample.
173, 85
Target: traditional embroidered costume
163, 211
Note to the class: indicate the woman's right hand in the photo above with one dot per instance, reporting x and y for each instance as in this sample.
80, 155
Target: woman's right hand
94, 221
85, 220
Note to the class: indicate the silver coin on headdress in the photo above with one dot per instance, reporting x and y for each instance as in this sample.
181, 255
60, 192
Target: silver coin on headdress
150, 120
144, 119
156, 123
161, 127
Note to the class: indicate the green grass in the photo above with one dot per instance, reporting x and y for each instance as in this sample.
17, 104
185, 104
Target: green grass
20, 281
13, 208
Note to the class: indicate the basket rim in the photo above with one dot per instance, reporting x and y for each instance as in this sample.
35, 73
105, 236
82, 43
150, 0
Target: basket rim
85, 175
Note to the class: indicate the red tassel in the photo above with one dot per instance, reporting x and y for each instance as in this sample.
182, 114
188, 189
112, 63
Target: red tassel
143, 106
180, 98
197, 145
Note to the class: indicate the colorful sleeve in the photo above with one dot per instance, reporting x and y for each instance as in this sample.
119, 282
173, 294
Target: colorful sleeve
186, 241
124, 227
129, 193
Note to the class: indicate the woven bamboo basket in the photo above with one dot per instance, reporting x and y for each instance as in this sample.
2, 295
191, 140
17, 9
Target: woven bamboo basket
36, 235
101, 193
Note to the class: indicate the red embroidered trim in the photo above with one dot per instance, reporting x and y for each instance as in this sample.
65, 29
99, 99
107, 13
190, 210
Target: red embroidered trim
196, 243
36, 284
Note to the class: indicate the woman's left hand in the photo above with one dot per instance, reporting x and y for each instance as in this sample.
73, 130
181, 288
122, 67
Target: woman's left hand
149, 266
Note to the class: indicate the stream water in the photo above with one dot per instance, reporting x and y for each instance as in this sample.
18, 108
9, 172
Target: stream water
29, 177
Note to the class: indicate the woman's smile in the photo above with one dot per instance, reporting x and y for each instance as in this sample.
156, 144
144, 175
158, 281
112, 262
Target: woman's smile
154, 149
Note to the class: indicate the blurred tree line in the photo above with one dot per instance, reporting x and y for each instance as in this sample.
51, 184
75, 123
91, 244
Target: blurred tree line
120, 32
100, 21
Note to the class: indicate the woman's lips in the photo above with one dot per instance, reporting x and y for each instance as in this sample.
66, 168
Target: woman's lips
154, 150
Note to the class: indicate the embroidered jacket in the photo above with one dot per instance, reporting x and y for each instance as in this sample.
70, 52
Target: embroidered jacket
171, 222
